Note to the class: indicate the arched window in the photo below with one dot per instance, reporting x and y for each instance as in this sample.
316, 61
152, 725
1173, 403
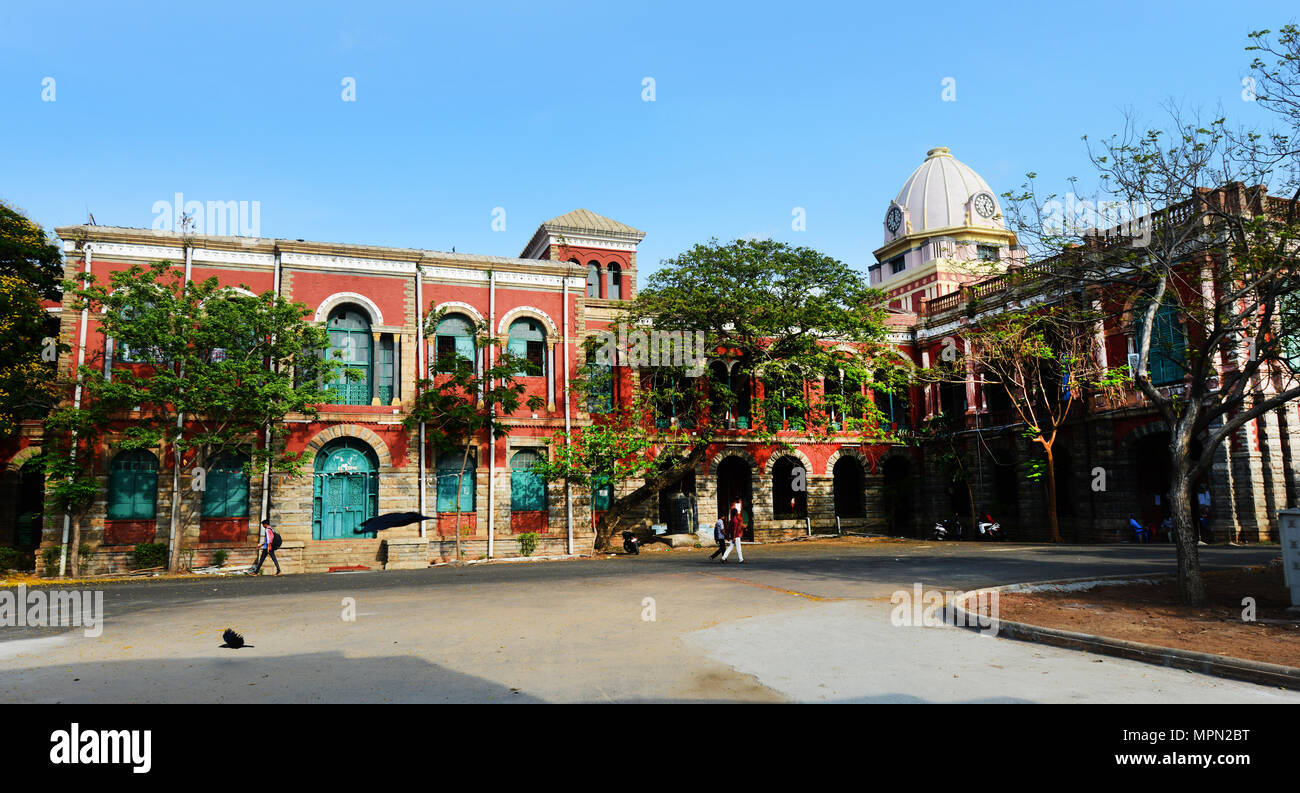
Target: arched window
784, 403
893, 407
226, 492
125, 353
133, 485
673, 396
615, 282
1168, 343
351, 342
789, 489
729, 390
449, 467
527, 487
454, 337
528, 340
593, 279
345, 489
600, 385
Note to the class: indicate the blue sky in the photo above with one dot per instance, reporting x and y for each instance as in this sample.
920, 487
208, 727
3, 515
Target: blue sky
537, 108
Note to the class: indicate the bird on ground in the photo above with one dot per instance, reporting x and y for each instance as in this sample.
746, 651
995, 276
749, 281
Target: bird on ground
234, 641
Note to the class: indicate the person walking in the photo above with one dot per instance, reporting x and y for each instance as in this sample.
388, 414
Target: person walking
719, 536
268, 545
735, 530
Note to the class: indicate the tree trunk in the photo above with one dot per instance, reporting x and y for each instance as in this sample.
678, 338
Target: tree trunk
1191, 585
175, 529
619, 508
1053, 522
74, 553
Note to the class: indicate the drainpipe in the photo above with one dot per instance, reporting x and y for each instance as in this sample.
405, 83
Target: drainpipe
492, 441
421, 368
180, 426
568, 500
266, 472
76, 402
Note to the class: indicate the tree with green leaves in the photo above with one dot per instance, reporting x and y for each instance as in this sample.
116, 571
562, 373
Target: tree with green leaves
462, 402
1202, 270
31, 270
208, 367
788, 338
1045, 360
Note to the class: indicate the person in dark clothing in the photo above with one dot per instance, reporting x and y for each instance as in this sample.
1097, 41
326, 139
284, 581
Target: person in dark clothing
720, 536
268, 544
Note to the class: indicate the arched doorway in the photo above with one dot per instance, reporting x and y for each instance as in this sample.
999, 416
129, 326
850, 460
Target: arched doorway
677, 504
735, 482
789, 489
345, 489
849, 487
28, 493
896, 496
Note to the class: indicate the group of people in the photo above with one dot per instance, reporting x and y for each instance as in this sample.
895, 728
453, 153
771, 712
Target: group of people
1142, 533
728, 531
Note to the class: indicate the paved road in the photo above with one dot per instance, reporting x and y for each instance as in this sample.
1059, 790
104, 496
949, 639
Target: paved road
805, 621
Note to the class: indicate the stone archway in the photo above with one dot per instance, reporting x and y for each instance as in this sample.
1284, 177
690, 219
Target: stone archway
734, 475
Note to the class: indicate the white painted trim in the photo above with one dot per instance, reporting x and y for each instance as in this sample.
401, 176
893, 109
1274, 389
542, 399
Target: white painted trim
454, 305
331, 302
528, 311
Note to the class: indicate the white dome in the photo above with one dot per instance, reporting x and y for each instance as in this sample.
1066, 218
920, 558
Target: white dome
943, 193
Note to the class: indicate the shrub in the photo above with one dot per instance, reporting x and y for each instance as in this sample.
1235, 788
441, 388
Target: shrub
150, 554
8, 558
50, 558
84, 556
528, 543
220, 556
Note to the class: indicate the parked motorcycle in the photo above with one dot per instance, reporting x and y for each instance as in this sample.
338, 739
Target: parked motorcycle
990, 529
947, 529
631, 544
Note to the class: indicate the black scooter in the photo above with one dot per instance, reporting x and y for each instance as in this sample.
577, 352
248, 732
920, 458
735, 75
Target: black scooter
631, 544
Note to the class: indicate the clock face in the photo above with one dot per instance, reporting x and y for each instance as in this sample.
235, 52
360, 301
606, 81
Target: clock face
984, 205
894, 219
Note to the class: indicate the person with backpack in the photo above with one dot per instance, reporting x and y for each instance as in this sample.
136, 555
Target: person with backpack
269, 544
720, 537
735, 530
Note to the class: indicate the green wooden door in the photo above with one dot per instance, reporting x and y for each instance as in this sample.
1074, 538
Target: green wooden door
345, 490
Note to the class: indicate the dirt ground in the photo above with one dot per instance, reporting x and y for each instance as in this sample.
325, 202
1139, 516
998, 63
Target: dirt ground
1152, 614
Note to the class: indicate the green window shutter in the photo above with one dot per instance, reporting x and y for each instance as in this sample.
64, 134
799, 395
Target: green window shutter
527, 488
1165, 356
119, 494
133, 486
447, 488
226, 495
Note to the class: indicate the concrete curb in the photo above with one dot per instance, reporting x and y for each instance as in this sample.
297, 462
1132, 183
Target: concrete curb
1206, 663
